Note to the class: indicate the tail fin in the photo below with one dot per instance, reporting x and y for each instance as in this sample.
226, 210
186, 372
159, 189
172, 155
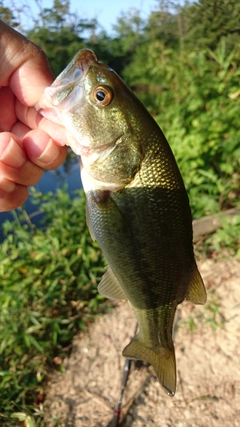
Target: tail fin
162, 360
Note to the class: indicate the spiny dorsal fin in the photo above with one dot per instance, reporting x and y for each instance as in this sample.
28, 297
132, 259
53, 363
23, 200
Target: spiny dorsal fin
161, 359
109, 286
196, 292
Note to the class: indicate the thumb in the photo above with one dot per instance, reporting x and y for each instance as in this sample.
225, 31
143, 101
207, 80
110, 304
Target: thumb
42, 150
24, 66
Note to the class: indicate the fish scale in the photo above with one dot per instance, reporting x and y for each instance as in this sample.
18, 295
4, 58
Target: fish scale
137, 205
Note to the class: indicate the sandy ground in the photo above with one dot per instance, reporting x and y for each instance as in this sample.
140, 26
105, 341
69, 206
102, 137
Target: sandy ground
207, 353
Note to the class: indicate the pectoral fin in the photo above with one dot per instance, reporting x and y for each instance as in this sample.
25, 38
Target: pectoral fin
161, 359
109, 286
196, 292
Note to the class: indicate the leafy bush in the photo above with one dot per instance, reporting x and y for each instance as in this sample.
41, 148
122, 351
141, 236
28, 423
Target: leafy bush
195, 95
48, 277
226, 240
48, 291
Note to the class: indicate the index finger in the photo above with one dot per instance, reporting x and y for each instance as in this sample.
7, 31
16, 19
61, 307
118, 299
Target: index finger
33, 120
24, 66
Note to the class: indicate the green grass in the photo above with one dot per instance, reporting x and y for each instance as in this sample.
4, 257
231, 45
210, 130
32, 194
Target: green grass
48, 292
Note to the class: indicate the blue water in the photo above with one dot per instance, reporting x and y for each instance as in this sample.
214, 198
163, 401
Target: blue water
67, 174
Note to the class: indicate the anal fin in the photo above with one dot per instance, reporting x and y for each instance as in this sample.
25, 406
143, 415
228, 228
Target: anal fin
196, 292
109, 286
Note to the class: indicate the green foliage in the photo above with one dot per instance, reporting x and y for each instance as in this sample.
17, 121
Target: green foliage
227, 236
48, 291
163, 24
61, 34
196, 96
210, 20
7, 15
210, 314
183, 63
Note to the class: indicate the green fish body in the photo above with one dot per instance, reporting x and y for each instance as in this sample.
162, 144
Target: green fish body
137, 205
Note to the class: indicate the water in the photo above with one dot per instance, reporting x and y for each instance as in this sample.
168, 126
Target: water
67, 174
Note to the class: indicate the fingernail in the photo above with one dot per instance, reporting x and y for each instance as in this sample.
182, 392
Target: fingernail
11, 154
40, 147
50, 153
7, 186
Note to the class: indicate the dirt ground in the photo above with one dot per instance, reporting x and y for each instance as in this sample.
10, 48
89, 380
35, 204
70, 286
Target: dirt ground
207, 353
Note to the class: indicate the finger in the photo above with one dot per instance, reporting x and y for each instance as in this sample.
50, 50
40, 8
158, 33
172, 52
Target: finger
29, 174
14, 163
6, 185
12, 199
20, 130
23, 66
11, 152
42, 150
31, 118
7, 108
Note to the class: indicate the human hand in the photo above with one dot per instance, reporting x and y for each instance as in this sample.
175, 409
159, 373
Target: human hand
29, 143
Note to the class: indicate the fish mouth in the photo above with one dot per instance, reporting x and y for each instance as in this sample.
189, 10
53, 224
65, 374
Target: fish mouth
69, 82
60, 99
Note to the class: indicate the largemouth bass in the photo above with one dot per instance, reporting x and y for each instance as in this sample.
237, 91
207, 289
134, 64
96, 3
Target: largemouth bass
137, 205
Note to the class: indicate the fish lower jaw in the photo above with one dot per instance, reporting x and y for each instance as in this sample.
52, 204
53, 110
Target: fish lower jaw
99, 152
94, 151
48, 113
91, 184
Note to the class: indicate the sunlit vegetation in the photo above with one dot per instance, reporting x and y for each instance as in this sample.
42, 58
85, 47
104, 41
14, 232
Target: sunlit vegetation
183, 63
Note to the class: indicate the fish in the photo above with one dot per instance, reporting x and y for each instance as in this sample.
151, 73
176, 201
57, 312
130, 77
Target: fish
137, 205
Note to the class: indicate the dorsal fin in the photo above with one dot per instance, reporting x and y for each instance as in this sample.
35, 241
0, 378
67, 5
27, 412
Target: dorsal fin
110, 287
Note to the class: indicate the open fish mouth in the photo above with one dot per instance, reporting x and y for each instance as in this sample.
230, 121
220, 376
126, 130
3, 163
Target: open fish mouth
66, 91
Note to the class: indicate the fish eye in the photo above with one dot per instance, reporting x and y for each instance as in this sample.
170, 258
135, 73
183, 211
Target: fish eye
103, 95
